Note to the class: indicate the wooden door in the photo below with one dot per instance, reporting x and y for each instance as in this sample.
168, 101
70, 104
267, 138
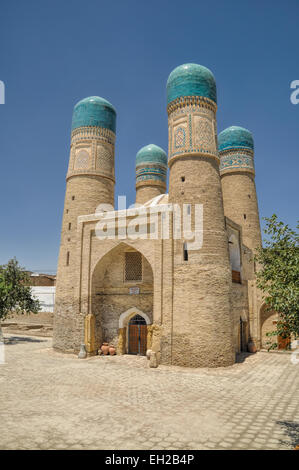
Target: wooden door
137, 336
143, 339
133, 339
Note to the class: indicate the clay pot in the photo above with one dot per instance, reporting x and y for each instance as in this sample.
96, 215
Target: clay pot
112, 350
251, 347
105, 348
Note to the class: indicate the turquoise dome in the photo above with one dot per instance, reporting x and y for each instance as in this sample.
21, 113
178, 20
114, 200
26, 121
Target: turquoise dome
94, 111
235, 137
151, 154
191, 80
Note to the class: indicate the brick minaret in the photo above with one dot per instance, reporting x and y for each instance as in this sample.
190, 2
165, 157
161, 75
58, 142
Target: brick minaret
236, 151
151, 171
89, 182
202, 320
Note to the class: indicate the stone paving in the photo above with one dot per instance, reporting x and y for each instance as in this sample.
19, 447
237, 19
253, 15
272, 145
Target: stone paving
55, 401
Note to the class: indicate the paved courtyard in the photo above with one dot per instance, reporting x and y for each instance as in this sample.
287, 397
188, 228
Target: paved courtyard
55, 401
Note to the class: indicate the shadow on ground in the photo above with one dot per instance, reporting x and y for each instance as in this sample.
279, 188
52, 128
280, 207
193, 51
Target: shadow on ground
22, 339
241, 357
291, 430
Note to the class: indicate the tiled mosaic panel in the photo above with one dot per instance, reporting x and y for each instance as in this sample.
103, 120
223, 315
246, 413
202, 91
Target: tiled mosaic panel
233, 160
151, 172
193, 132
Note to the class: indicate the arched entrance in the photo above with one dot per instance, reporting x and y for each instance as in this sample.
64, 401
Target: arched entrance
133, 332
122, 287
137, 335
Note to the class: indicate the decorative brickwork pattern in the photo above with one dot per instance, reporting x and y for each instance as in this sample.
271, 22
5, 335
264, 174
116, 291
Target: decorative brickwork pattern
204, 138
236, 160
196, 127
150, 172
99, 144
180, 137
104, 159
92, 133
82, 160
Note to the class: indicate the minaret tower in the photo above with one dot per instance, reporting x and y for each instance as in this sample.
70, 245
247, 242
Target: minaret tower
202, 320
236, 151
151, 172
89, 182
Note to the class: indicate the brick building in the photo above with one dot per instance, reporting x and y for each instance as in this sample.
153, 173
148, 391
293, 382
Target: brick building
138, 278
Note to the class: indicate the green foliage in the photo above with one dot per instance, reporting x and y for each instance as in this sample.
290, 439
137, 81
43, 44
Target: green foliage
15, 292
278, 275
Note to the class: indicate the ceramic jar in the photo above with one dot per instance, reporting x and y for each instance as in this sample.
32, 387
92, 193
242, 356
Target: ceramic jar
251, 347
105, 348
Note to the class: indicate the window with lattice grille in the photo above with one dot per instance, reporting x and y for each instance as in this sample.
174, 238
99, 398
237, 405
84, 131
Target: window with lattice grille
133, 266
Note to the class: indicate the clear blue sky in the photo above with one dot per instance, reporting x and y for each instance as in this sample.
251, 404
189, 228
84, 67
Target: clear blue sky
54, 53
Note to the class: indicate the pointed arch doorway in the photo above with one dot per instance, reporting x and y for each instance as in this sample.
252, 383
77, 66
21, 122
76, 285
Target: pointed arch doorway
133, 332
137, 335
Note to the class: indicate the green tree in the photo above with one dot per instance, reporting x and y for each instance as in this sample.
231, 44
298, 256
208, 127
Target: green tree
278, 276
15, 292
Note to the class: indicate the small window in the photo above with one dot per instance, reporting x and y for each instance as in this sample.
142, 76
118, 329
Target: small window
68, 258
73, 198
183, 178
67, 211
244, 216
133, 266
70, 225
185, 252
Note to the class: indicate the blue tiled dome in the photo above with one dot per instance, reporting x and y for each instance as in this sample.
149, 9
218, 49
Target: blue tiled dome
235, 137
151, 165
151, 154
191, 80
94, 111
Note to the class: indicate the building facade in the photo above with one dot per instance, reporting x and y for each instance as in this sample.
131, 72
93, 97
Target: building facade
174, 274
43, 289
